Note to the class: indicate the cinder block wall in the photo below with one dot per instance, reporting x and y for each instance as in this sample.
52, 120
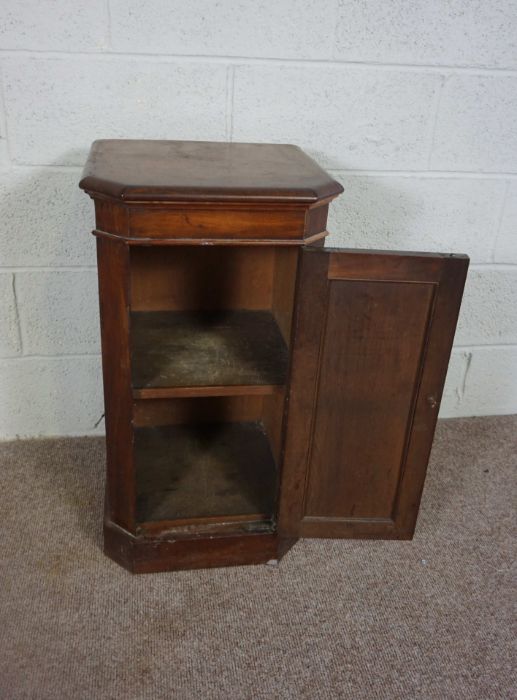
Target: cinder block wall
412, 105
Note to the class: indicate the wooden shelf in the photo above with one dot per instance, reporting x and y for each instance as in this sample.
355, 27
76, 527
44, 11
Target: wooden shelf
174, 350
204, 470
182, 392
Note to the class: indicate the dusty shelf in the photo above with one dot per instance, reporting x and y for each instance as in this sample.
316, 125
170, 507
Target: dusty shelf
175, 349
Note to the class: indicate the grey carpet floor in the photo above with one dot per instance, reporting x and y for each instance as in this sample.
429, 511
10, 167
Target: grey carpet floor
431, 618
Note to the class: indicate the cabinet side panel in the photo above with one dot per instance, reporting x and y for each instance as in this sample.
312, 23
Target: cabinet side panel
113, 267
111, 217
316, 220
374, 338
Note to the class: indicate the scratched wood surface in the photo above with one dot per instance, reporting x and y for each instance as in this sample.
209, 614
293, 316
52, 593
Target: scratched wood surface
196, 171
172, 348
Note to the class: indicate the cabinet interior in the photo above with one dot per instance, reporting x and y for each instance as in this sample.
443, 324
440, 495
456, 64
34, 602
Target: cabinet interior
209, 335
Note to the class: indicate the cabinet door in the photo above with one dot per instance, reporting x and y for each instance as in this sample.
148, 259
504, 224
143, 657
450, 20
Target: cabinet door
372, 337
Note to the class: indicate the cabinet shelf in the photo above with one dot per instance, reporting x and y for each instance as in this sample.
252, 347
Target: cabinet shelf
204, 470
174, 350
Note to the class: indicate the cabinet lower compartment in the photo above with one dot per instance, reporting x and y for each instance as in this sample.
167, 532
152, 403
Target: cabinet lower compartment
206, 495
205, 471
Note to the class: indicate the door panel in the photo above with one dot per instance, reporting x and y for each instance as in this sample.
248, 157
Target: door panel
373, 333
370, 359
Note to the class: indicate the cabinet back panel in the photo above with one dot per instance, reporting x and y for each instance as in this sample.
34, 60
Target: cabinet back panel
153, 412
194, 278
371, 358
196, 471
228, 409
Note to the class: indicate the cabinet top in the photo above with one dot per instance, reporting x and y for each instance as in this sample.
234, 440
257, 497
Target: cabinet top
173, 171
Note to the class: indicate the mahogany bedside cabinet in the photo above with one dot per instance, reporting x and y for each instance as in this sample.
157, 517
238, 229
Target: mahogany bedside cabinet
258, 386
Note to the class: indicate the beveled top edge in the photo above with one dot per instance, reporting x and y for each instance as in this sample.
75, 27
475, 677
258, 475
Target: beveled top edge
200, 171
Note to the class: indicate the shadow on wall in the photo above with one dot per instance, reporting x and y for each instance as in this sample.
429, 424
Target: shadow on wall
51, 382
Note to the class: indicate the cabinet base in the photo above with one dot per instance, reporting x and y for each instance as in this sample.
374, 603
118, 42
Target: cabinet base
144, 555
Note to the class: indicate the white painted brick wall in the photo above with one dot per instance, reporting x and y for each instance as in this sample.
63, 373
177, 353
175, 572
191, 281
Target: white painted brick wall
57, 106
482, 381
50, 396
506, 246
54, 25
346, 116
436, 33
476, 126
413, 106
286, 29
418, 213
489, 312
58, 312
10, 341
43, 219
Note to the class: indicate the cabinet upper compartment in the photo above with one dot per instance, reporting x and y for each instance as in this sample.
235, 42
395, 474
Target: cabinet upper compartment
200, 171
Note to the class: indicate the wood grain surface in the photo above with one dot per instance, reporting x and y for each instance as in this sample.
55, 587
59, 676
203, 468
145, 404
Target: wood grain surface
373, 337
141, 170
181, 349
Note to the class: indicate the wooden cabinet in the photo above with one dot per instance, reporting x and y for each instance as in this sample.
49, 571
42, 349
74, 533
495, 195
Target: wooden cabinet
258, 386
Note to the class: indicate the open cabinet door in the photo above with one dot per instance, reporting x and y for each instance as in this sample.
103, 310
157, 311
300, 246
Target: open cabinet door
372, 338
